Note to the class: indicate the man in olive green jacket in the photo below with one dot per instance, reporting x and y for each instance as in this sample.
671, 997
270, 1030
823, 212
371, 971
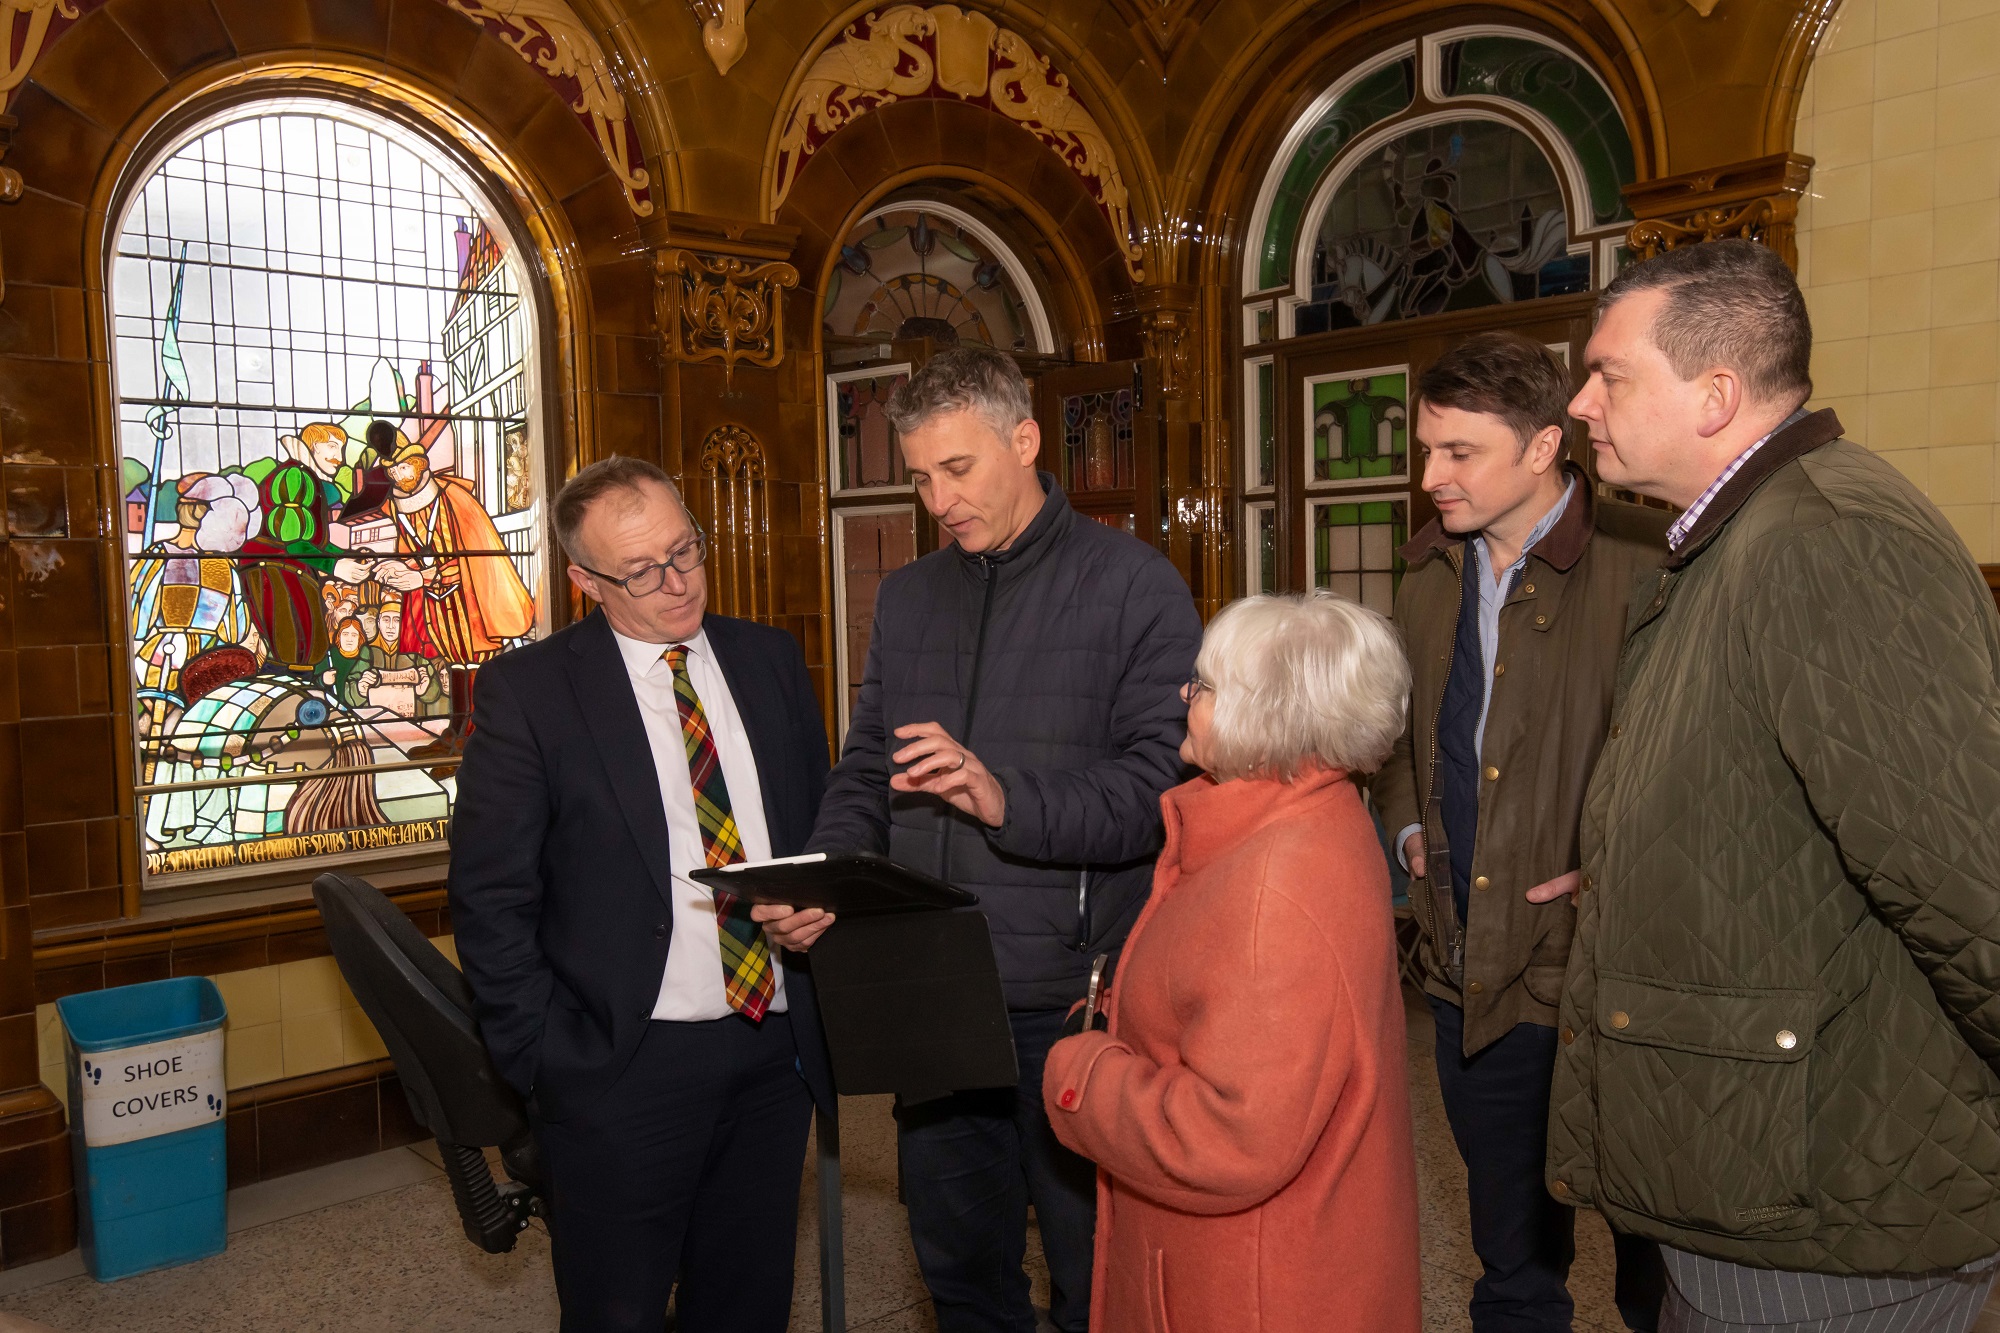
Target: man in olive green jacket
1784, 997
1513, 612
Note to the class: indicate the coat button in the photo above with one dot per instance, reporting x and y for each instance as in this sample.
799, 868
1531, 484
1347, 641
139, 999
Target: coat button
1473, 988
1068, 1098
1528, 587
1541, 620
1583, 885
1621, 1020
659, 932
1787, 1039
1482, 883
1569, 1035
1559, 1188
1500, 668
1492, 773
1617, 730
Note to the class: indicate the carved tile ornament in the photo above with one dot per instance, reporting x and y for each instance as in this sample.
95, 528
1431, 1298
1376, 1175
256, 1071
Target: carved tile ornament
723, 308
723, 34
27, 26
548, 35
946, 52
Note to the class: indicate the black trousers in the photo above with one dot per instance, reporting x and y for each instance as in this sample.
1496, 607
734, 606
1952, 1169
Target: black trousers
972, 1163
689, 1166
1498, 1105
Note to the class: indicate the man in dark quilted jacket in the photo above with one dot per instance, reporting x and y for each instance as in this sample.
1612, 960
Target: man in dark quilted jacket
1019, 716
1783, 1002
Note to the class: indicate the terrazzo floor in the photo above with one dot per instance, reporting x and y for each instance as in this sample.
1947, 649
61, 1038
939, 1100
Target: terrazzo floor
375, 1245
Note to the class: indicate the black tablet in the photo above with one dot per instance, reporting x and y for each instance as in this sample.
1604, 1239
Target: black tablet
845, 883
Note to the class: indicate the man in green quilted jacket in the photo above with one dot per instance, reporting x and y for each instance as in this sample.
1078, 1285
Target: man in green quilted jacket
1783, 1001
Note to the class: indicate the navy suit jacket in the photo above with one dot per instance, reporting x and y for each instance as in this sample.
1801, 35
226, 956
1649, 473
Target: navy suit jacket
561, 894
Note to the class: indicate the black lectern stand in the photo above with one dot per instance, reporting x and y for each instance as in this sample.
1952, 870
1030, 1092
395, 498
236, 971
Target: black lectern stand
908, 991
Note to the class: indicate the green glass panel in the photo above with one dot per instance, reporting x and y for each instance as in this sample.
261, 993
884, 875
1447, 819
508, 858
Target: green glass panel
1372, 99
1267, 429
1360, 427
1453, 216
1355, 550
1562, 90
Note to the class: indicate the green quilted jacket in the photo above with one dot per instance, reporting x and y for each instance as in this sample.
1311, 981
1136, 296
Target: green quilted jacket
1782, 1009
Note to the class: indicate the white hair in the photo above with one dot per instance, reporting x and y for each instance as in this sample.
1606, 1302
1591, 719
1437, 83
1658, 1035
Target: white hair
1302, 681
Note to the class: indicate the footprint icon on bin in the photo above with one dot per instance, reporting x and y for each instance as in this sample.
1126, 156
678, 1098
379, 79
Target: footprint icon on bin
95, 1073
214, 1105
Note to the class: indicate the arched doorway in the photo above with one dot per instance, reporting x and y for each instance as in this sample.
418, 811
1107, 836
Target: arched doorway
1468, 179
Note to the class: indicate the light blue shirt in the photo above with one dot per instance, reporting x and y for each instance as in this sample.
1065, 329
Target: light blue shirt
1493, 594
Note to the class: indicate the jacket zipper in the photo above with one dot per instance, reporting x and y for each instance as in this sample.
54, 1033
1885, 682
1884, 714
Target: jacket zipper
971, 705
1083, 908
1454, 951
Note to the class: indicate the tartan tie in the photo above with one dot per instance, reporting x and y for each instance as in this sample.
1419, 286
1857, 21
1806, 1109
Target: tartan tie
747, 980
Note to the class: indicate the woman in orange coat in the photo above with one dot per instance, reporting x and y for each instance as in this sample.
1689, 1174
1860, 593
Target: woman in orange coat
1247, 1107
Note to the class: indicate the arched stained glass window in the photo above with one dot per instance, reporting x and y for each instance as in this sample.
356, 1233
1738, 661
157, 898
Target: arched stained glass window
323, 356
928, 270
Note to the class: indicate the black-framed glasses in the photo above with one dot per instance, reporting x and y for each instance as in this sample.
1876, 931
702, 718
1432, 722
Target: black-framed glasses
647, 581
1192, 689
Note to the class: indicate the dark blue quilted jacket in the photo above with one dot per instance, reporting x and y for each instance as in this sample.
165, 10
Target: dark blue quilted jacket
1058, 662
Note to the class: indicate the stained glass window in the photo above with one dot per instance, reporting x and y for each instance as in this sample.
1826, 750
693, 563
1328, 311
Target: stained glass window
332, 482
1262, 435
870, 543
866, 454
1354, 544
1451, 216
924, 271
1260, 546
1360, 426
1097, 441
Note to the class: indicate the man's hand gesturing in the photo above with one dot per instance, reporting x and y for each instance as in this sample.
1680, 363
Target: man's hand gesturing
939, 765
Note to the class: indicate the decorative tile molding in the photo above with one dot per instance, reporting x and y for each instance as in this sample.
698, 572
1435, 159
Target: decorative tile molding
25, 24
909, 51
1704, 7
1161, 25
723, 35
735, 507
549, 35
1167, 332
1756, 200
719, 290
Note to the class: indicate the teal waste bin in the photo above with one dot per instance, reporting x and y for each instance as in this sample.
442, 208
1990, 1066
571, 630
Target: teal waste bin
146, 1124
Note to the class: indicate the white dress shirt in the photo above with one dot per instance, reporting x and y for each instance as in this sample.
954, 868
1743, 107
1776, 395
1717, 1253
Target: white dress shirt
691, 990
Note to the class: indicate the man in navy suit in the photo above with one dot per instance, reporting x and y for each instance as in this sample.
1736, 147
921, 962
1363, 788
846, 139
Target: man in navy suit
671, 1057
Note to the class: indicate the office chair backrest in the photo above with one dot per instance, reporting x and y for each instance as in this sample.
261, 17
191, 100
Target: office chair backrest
422, 1007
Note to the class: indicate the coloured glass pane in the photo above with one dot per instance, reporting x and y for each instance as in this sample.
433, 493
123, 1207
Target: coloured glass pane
1097, 441
1354, 545
1448, 217
1375, 97
866, 446
915, 274
1360, 426
872, 545
1553, 83
1261, 540
332, 502
1267, 426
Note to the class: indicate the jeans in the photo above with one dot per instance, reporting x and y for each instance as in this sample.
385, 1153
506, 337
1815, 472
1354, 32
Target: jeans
972, 1163
1498, 1104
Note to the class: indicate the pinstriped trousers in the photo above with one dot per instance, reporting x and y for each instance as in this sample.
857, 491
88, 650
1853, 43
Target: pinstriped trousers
1711, 1296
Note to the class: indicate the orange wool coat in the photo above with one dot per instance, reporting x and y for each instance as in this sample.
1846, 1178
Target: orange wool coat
1248, 1108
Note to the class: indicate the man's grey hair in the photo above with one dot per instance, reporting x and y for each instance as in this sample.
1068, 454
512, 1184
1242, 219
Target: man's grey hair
616, 475
958, 379
1729, 303
1302, 681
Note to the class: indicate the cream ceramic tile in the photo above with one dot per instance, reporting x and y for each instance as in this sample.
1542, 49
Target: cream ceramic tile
250, 997
1900, 244
1975, 528
359, 1041
48, 1036
1841, 195
1902, 184
1953, 11
1968, 50
253, 1055
312, 1042
1914, 464
1906, 124
1844, 138
1895, 420
1965, 110
1899, 361
1963, 414
1893, 18
1842, 79
1963, 472
1965, 172
308, 986
448, 946
1839, 310
1852, 409
1965, 354
1906, 64
1900, 303
1841, 362
1966, 233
